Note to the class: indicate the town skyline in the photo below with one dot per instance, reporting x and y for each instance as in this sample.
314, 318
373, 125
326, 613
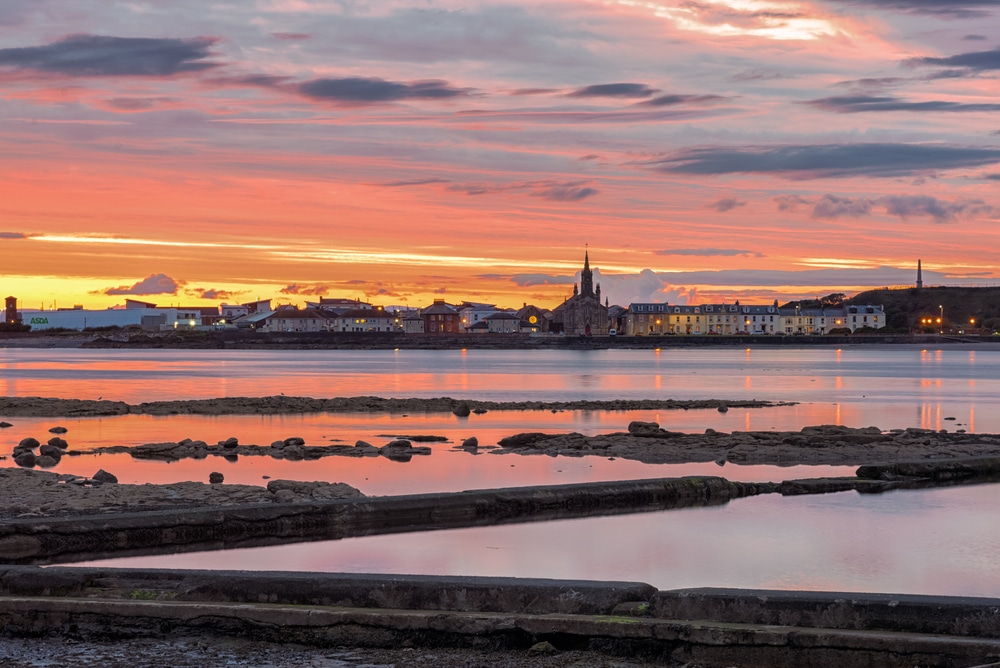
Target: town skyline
705, 152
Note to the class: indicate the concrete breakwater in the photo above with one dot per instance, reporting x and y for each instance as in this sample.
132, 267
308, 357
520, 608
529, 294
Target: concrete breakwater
63, 539
705, 627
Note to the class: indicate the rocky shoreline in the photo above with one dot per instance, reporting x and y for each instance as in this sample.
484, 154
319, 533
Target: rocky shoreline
645, 442
55, 407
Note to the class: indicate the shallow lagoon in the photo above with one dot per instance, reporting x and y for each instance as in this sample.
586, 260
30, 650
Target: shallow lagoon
931, 541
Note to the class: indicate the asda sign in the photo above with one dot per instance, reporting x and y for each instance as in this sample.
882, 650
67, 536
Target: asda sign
39, 321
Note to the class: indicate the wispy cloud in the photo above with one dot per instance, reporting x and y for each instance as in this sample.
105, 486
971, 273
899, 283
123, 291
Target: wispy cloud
212, 293
99, 55
363, 91
13, 235
315, 289
710, 252
949, 9
626, 90
155, 284
972, 62
411, 182
854, 104
826, 160
901, 206
724, 204
568, 191
834, 206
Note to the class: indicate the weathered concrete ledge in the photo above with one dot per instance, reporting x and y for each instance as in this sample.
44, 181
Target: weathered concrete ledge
710, 627
35, 540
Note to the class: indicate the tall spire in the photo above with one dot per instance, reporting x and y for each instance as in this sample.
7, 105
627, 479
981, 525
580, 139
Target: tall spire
920, 276
586, 276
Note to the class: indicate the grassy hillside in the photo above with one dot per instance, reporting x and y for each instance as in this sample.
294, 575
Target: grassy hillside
905, 308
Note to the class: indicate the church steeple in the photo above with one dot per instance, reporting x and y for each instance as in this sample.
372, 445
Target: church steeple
586, 276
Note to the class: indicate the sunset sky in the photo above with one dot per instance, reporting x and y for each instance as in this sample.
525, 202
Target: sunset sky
190, 152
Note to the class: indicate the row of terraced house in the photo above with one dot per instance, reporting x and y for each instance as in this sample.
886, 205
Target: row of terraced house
653, 319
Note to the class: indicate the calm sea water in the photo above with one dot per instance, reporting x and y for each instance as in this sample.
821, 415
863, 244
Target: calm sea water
936, 541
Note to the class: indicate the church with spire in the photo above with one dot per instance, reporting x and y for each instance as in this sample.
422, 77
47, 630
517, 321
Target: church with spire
583, 313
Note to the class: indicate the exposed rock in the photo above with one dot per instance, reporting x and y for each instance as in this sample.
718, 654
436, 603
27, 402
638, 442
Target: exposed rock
294, 490
480, 411
470, 443
28, 443
103, 476
58, 442
521, 440
46, 461
26, 459
462, 410
4, 425
639, 428
230, 442
824, 444
277, 444
50, 451
215, 478
170, 451
295, 440
723, 408
58, 430
402, 450
543, 648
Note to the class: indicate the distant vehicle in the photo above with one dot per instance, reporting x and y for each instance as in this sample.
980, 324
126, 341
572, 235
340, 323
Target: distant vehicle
612, 332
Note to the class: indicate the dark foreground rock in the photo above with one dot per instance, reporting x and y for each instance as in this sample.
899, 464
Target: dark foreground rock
500, 621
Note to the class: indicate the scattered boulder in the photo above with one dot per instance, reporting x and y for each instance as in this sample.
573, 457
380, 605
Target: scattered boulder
470, 443
402, 450
277, 444
26, 459
28, 443
58, 430
639, 428
4, 425
215, 478
53, 451
295, 440
462, 410
723, 408
58, 442
230, 443
103, 476
46, 462
480, 411
542, 649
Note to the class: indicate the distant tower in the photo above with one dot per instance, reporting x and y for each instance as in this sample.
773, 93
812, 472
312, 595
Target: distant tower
586, 276
11, 315
920, 276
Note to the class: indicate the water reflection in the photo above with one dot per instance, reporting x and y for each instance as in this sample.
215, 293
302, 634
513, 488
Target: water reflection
919, 542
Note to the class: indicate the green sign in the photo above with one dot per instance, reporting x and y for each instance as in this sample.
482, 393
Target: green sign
39, 321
